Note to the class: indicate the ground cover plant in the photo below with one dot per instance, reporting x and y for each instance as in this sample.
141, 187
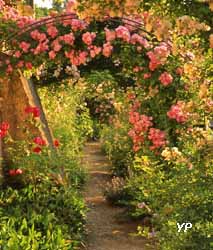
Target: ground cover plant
146, 75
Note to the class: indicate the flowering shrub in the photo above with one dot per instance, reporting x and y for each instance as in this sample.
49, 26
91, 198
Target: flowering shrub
165, 79
41, 179
177, 112
68, 117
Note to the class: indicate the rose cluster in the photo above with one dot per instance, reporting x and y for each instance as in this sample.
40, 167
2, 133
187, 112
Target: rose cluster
178, 113
165, 78
35, 111
15, 172
157, 137
158, 56
142, 129
4, 127
40, 142
141, 124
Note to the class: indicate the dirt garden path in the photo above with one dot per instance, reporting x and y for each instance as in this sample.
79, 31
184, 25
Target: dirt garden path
104, 229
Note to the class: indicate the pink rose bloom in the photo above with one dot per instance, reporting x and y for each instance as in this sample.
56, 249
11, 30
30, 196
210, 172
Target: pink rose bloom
136, 148
123, 33
56, 45
42, 47
19, 171
76, 57
157, 137
135, 38
107, 49
136, 105
35, 34
88, 38
138, 69
28, 65
82, 57
110, 35
23, 21
147, 75
75, 61
94, 51
68, 39
1, 4
165, 78
162, 51
42, 37
52, 31
77, 24
24, 46
70, 5
154, 62
69, 54
177, 112
131, 96
17, 54
52, 54
158, 56
134, 117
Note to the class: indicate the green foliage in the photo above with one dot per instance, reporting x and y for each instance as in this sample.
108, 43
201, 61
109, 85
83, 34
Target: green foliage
41, 12
117, 146
176, 8
41, 217
67, 115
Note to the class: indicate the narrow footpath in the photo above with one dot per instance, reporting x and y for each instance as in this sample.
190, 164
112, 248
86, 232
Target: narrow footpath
105, 229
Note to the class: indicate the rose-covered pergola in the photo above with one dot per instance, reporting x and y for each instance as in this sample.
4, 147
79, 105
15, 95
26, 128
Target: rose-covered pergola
69, 40
151, 76
14, 81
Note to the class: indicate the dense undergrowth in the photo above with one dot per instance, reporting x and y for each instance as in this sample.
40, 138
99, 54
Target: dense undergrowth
162, 192
43, 208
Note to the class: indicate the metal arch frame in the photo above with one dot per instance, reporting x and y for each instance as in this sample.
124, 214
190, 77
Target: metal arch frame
71, 16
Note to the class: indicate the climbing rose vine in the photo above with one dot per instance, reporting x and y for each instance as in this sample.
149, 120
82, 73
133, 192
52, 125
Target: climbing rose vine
155, 68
